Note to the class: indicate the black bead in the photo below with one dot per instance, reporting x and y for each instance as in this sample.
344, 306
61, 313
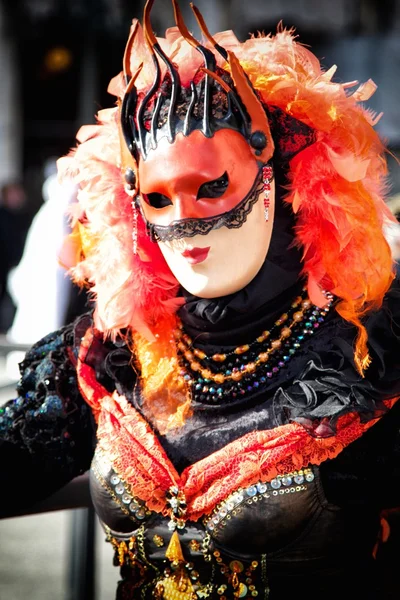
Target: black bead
258, 140
130, 178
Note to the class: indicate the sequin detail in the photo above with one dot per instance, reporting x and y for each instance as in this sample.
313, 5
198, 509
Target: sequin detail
289, 483
49, 418
117, 488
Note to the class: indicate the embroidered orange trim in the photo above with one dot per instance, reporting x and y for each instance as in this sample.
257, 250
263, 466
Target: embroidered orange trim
137, 456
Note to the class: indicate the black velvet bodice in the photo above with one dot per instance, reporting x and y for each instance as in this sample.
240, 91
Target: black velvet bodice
322, 529
287, 528
290, 527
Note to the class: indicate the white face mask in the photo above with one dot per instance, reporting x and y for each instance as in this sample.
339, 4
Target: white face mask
225, 260
226, 256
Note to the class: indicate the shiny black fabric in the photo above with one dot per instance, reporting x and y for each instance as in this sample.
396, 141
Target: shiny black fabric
298, 535
47, 434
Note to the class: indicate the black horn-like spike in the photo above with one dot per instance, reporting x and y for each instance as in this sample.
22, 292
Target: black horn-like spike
156, 48
143, 104
154, 121
128, 108
231, 98
209, 61
204, 30
193, 99
175, 81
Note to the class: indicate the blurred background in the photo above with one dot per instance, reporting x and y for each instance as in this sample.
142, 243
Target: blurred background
56, 59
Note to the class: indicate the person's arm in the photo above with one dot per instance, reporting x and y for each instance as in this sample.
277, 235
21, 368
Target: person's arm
47, 433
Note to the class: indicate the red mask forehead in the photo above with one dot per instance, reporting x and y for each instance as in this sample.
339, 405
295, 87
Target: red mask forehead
178, 170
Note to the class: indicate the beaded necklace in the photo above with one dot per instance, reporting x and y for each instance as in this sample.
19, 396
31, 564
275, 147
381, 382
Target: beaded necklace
243, 370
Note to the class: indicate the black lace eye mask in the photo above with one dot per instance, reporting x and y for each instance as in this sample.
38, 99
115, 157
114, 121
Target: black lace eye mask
187, 228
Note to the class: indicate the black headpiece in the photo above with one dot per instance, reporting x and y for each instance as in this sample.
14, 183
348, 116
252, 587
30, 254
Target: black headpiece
214, 99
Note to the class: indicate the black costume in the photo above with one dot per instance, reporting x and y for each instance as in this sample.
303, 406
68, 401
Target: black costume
240, 424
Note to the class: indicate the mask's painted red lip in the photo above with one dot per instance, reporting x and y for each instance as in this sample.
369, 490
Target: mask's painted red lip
196, 255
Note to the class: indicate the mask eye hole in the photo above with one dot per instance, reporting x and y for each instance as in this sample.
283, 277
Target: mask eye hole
157, 200
215, 188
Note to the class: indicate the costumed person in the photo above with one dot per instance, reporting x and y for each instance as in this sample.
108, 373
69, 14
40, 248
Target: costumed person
233, 391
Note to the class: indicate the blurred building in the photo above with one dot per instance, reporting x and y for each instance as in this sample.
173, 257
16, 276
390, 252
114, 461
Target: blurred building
57, 56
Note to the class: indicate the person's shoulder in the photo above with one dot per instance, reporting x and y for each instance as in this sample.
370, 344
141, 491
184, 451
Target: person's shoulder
59, 345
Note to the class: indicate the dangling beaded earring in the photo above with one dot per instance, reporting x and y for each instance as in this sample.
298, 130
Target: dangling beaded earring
267, 178
130, 188
134, 226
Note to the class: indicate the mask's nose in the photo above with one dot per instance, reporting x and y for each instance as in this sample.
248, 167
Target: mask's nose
187, 207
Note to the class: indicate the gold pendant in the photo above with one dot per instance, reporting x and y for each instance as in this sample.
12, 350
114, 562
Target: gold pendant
176, 587
174, 551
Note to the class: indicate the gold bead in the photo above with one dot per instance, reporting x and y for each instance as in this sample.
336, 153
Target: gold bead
199, 353
286, 332
276, 344
263, 337
195, 366
219, 378
189, 355
297, 301
254, 564
194, 545
263, 356
242, 349
306, 304
237, 376
219, 357
297, 316
251, 367
281, 319
207, 374
158, 541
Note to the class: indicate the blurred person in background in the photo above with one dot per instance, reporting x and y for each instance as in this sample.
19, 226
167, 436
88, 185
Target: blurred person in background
234, 387
14, 224
42, 293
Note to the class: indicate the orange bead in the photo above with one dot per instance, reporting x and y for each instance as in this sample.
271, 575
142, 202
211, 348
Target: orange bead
286, 332
306, 304
219, 357
276, 344
263, 336
263, 356
298, 316
195, 366
219, 378
251, 367
296, 302
237, 376
242, 349
207, 374
281, 319
189, 355
200, 353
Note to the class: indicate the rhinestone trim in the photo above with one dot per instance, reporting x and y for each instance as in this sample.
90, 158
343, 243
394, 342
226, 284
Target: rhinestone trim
288, 483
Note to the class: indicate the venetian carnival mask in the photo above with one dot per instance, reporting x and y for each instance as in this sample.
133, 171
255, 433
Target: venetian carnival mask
199, 165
